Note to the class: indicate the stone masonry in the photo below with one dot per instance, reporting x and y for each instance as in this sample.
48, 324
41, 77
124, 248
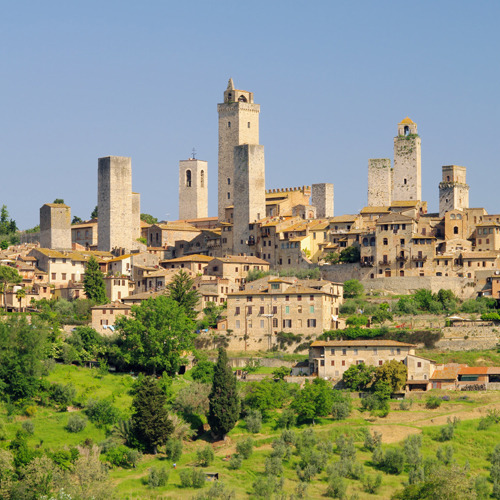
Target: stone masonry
193, 189
322, 199
238, 124
407, 174
250, 187
453, 190
379, 182
114, 201
55, 226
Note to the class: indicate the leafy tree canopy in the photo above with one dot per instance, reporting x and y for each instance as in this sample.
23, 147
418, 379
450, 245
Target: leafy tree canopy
353, 288
93, 282
314, 400
182, 291
149, 219
59, 201
76, 220
358, 377
156, 335
393, 373
94, 213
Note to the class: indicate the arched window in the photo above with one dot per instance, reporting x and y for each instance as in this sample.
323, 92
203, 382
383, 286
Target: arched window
386, 241
452, 216
202, 178
455, 230
407, 130
459, 216
365, 242
372, 242
242, 98
447, 178
188, 178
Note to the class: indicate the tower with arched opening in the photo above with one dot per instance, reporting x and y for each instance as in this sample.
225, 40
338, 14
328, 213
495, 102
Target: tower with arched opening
407, 173
193, 189
238, 125
453, 190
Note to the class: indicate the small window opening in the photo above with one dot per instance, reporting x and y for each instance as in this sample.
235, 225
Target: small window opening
405, 181
407, 130
202, 178
248, 124
228, 124
455, 230
242, 98
188, 178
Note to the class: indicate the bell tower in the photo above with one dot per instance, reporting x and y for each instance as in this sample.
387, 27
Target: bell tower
238, 125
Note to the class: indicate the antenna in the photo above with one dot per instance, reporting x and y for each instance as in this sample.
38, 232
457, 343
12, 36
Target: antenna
193, 155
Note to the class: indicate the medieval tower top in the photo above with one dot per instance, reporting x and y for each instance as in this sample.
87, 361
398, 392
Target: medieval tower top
238, 125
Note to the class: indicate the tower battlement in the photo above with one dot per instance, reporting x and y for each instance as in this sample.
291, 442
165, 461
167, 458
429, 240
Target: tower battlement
303, 189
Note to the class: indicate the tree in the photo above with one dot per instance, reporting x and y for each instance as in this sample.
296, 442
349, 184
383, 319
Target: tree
20, 294
8, 276
358, 377
332, 258
59, 201
4, 244
352, 289
393, 373
155, 335
314, 400
350, 254
224, 407
93, 282
150, 423
182, 291
76, 220
94, 213
149, 219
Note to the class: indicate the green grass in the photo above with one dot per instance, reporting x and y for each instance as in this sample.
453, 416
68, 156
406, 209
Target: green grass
472, 358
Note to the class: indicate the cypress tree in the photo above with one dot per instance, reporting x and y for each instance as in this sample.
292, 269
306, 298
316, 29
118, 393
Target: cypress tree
150, 423
93, 282
224, 407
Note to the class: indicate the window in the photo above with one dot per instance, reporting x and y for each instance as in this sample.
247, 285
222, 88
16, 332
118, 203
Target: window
202, 178
275, 322
237, 324
311, 297
188, 178
287, 323
380, 362
261, 310
237, 311
299, 297
398, 351
455, 230
53, 276
355, 352
248, 124
228, 181
275, 309
299, 309
63, 276
311, 309
287, 309
228, 124
386, 242
228, 196
249, 310
419, 364
311, 323
344, 352
262, 323
249, 298
322, 362
332, 352
332, 363
287, 298
375, 350
343, 362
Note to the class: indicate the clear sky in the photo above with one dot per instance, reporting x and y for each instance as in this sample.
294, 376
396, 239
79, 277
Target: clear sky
81, 80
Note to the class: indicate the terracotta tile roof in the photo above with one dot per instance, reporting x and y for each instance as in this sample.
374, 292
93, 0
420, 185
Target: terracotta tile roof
480, 255
374, 210
189, 258
402, 204
113, 305
360, 343
394, 217
448, 372
241, 259
344, 218
473, 370
122, 257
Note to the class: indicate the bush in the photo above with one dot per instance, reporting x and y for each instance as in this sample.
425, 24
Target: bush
62, 394
394, 460
101, 412
273, 466
265, 488
340, 411
235, 462
405, 404
245, 448
253, 421
353, 289
192, 478
371, 484
287, 419
28, 427
173, 449
122, 456
157, 477
433, 402
30, 411
446, 433
205, 456
372, 441
445, 454
203, 371
76, 423
218, 491
337, 488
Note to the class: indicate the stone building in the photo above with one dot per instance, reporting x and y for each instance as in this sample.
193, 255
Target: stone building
302, 307
85, 234
379, 182
453, 189
118, 207
235, 267
105, 316
55, 226
193, 189
322, 199
238, 124
250, 189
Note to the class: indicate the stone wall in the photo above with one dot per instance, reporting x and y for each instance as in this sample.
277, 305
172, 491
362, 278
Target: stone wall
379, 182
193, 190
407, 173
468, 338
322, 199
55, 226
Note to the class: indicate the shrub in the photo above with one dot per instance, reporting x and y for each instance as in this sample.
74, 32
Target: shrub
372, 441
265, 488
346, 448
405, 404
192, 478
245, 448
287, 419
446, 433
433, 402
101, 412
337, 488
203, 371
394, 460
205, 456
371, 484
340, 411
273, 466
157, 476
30, 411
62, 394
173, 449
122, 456
76, 423
28, 427
445, 454
235, 462
253, 421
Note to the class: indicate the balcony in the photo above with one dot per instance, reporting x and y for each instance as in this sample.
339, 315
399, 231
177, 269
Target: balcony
401, 258
384, 262
366, 263
419, 258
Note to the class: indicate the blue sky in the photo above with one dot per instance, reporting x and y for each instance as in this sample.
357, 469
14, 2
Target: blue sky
82, 80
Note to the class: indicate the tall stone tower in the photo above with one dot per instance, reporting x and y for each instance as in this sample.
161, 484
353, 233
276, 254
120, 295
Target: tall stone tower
453, 189
322, 199
55, 226
238, 124
193, 189
250, 192
407, 174
379, 182
114, 204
